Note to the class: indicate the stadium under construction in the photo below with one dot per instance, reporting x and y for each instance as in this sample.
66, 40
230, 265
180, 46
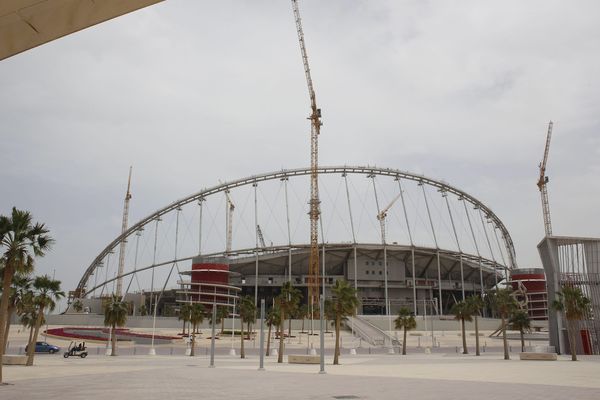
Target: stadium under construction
401, 239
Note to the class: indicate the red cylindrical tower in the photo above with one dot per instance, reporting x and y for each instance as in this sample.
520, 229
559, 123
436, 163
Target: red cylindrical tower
531, 282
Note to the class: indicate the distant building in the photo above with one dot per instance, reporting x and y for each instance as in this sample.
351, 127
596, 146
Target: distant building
573, 261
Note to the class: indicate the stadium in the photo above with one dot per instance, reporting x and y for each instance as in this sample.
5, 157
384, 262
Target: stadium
401, 239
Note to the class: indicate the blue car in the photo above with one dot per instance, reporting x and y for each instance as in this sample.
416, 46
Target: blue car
43, 347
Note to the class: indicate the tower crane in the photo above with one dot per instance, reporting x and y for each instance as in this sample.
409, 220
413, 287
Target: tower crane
123, 242
315, 130
261, 238
382, 215
229, 222
542, 181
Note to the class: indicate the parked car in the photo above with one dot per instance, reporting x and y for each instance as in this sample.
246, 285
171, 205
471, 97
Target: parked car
43, 347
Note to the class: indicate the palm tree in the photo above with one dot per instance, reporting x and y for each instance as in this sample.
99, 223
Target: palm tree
21, 285
329, 314
273, 319
247, 311
28, 313
475, 303
575, 305
143, 310
21, 241
519, 320
47, 292
344, 304
77, 306
115, 314
462, 313
407, 322
196, 317
184, 315
222, 313
302, 313
503, 302
287, 301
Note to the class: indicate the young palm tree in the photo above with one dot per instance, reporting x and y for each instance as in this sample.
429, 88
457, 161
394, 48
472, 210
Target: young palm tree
288, 300
272, 320
20, 241
575, 305
344, 304
503, 302
475, 303
302, 313
28, 313
20, 287
77, 306
143, 310
329, 314
222, 314
196, 317
407, 322
247, 312
519, 320
47, 292
184, 315
462, 313
115, 314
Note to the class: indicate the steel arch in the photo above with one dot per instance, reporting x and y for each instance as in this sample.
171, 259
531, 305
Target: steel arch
286, 173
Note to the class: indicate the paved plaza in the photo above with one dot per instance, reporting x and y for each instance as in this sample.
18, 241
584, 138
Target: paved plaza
416, 376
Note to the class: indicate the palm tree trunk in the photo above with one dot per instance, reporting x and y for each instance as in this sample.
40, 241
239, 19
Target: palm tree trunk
464, 336
290, 327
7, 327
31, 348
6, 282
242, 352
192, 353
336, 356
404, 343
572, 332
522, 341
282, 320
114, 341
30, 333
269, 342
504, 340
477, 337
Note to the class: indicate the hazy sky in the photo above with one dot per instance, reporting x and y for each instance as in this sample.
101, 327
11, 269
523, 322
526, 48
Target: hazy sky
193, 92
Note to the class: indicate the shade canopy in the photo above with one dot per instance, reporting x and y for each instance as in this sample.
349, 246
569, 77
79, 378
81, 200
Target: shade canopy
25, 24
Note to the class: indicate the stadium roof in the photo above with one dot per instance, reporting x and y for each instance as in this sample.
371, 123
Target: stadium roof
25, 24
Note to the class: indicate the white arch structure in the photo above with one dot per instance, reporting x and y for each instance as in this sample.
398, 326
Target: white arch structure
483, 211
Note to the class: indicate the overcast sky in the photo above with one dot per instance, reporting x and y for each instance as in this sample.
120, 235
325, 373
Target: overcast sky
193, 92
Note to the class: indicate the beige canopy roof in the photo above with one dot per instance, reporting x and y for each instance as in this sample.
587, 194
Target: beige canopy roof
25, 24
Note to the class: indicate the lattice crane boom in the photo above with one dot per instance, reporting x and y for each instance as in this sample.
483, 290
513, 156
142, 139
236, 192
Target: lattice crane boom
315, 119
542, 181
382, 215
229, 222
123, 242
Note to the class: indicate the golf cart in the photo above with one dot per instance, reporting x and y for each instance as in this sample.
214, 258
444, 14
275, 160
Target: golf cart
76, 350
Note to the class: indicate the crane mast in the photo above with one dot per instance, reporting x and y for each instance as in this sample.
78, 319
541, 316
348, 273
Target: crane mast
542, 181
229, 223
315, 130
123, 242
381, 217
